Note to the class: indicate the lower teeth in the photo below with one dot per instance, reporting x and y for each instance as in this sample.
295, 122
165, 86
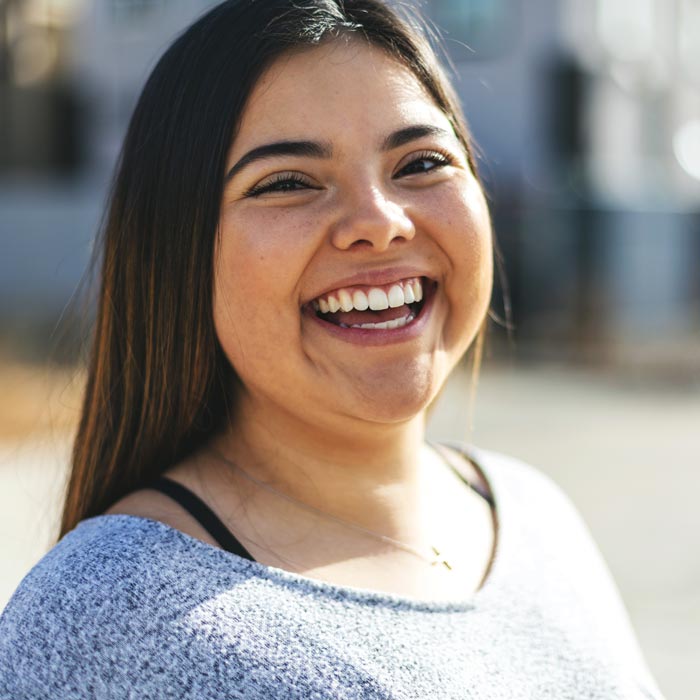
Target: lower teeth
396, 323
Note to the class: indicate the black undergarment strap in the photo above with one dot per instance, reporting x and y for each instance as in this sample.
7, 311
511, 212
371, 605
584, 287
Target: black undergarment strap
450, 457
199, 510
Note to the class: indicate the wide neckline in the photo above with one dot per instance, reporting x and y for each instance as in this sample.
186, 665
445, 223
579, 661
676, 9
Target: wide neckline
345, 592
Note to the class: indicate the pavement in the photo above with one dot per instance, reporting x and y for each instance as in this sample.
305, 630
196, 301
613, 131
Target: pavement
626, 451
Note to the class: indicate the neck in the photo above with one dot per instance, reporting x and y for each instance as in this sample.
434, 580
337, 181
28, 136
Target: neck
371, 474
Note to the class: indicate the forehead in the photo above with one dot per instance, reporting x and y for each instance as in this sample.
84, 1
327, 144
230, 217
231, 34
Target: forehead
340, 90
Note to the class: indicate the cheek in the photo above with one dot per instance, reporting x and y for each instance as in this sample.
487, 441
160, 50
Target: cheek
253, 237
459, 221
462, 230
258, 265
260, 254
472, 247
246, 313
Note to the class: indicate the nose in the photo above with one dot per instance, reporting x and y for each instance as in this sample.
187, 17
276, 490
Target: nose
372, 220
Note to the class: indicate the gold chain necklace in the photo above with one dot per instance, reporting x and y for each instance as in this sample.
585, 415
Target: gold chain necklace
434, 559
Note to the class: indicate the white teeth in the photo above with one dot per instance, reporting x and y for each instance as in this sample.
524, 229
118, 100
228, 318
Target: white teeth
345, 300
417, 290
360, 301
396, 323
396, 296
378, 300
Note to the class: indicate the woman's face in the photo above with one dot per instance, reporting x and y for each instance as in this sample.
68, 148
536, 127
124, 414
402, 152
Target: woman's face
348, 187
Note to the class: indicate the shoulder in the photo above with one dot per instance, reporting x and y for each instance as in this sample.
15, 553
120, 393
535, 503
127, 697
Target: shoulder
98, 553
52, 611
549, 543
515, 481
97, 556
153, 505
555, 557
539, 523
526, 497
77, 616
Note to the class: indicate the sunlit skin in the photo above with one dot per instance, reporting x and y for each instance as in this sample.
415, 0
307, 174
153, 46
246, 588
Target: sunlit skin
349, 417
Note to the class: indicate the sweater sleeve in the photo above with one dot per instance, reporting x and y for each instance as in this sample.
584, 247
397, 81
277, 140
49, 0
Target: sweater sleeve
567, 546
38, 648
608, 612
103, 615
49, 636
85, 622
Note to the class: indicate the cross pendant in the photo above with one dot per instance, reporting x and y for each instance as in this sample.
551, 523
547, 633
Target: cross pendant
439, 559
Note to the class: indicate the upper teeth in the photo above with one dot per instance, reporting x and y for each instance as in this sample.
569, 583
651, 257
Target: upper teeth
376, 298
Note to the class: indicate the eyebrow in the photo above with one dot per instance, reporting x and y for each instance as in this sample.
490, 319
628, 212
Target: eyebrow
315, 149
412, 133
309, 149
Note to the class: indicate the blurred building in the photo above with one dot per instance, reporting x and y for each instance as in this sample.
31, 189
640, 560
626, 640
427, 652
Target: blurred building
587, 113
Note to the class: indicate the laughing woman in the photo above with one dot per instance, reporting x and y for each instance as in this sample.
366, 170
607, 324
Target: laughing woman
297, 253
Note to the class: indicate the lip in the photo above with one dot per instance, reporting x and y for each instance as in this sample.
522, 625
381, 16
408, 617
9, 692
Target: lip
384, 336
376, 278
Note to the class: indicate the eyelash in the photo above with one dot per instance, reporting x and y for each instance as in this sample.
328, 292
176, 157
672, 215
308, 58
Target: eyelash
286, 182
439, 159
274, 185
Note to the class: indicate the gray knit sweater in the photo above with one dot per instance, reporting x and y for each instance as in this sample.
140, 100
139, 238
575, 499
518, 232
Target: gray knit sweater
125, 607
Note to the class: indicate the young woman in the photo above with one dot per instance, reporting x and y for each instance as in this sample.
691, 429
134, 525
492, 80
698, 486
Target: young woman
297, 253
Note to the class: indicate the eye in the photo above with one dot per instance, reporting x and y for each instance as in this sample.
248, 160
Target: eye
283, 182
424, 162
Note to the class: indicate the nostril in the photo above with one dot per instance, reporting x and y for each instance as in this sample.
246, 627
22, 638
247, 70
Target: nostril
381, 244
362, 243
374, 227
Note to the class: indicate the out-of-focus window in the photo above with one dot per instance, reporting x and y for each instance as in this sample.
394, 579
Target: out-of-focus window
129, 11
476, 29
40, 107
689, 40
627, 28
641, 116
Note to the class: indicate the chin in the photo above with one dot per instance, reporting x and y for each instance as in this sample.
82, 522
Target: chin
388, 398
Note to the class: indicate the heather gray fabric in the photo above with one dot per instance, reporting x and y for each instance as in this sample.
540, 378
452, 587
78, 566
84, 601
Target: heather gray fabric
125, 607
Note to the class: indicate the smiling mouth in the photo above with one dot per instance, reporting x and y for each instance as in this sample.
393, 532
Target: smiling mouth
374, 308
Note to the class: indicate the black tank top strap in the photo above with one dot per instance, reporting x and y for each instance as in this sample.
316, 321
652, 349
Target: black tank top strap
201, 512
450, 454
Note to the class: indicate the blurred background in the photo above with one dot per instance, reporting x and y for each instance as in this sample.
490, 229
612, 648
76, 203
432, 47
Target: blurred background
587, 115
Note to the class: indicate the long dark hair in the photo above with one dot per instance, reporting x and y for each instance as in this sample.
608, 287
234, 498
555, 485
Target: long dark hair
158, 382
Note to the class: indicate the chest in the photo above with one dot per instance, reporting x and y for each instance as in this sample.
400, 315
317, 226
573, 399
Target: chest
295, 647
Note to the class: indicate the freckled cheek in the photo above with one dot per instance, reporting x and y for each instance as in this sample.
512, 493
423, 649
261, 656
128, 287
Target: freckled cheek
261, 260
272, 234
459, 223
